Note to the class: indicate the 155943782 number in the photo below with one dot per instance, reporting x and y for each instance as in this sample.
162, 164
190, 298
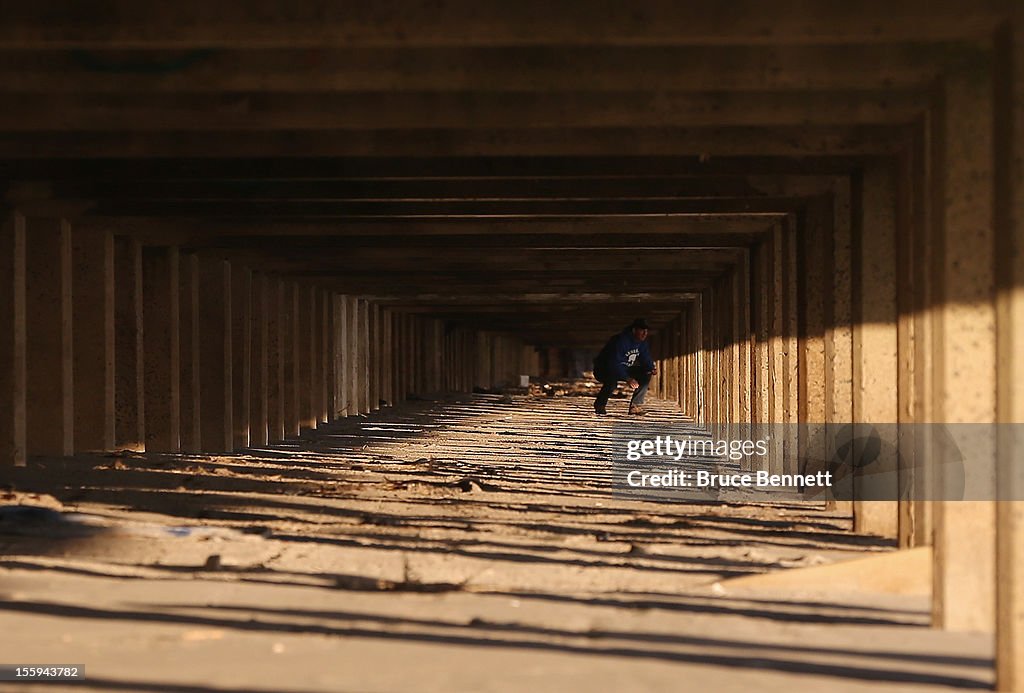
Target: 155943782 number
41, 672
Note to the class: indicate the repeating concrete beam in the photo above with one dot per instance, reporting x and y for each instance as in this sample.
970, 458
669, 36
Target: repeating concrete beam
267, 167
719, 230
465, 111
584, 280
555, 268
570, 298
468, 256
494, 68
313, 23
490, 188
789, 141
479, 210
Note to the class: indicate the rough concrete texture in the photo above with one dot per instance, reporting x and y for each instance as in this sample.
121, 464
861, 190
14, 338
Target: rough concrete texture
456, 544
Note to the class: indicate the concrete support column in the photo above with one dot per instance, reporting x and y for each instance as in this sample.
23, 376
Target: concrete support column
276, 333
713, 336
914, 523
190, 421
455, 360
366, 366
315, 365
292, 369
412, 342
714, 402
354, 363
406, 355
687, 348
386, 358
729, 350
668, 370
394, 363
259, 337
790, 344
341, 355
92, 254
743, 327
318, 373
241, 354
760, 271
50, 395
327, 356
129, 398
964, 342
875, 343
161, 348
373, 316
484, 354
215, 362
306, 357
400, 385
1009, 135
815, 248
839, 333
449, 364
403, 355
661, 347
12, 340
699, 365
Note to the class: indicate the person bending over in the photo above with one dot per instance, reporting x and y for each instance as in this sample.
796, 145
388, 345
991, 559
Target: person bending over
625, 357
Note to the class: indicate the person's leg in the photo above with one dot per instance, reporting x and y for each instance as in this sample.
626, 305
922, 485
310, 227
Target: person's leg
607, 388
643, 378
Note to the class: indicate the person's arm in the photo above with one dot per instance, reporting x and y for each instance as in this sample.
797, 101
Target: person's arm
645, 355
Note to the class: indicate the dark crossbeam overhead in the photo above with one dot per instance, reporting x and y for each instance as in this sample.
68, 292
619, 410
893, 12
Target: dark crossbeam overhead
597, 141
194, 24
418, 168
493, 69
246, 111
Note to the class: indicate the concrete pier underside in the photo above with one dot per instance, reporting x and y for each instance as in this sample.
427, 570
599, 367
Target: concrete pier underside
226, 228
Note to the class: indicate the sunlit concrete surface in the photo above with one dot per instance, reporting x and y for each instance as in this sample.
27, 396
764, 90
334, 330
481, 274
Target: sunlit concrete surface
475, 540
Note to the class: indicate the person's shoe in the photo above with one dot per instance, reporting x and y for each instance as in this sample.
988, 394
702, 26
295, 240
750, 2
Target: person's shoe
600, 411
636, 410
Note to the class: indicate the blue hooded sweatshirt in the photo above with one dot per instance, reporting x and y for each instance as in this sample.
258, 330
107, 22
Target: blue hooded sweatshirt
622, 351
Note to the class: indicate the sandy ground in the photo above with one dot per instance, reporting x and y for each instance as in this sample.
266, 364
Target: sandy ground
468, 544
